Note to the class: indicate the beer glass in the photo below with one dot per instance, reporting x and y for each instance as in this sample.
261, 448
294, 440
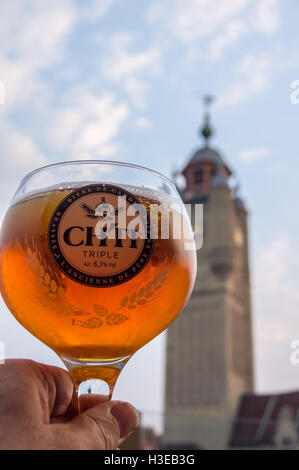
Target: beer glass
97, 258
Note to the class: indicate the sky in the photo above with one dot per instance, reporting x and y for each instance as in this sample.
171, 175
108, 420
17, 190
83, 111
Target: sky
124, 81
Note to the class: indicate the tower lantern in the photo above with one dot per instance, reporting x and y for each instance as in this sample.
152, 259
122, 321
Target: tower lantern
204, 162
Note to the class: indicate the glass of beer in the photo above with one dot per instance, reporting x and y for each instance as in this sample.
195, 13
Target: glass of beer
97, 258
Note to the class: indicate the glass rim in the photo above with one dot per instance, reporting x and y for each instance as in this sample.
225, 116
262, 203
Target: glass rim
98, 162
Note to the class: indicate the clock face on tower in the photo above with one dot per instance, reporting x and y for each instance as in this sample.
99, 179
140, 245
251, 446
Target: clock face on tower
238, 237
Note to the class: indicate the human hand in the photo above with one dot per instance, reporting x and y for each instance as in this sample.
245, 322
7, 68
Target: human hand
38, 411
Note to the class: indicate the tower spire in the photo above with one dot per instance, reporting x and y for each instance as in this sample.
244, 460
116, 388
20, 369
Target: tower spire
207, 131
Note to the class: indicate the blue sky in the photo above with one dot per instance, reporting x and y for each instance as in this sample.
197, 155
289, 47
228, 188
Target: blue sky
124, 81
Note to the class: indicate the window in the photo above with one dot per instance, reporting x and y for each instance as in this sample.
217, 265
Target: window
198, 177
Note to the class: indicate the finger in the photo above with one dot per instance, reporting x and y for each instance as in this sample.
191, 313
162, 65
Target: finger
98, 428
34, 389
91, 400
60, 419
57, 387
122, 440
86, 401
73, 409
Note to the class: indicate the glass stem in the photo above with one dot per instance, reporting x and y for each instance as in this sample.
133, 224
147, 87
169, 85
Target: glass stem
96, 378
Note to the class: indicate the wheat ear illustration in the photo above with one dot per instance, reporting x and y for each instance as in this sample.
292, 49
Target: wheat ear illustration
145, 293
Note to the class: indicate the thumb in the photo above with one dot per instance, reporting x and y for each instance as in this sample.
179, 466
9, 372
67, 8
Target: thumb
100, 427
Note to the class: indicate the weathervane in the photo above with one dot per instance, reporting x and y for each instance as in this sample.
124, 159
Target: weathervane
208, 100
207, 131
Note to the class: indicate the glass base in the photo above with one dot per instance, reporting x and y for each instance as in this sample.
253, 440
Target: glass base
87, 376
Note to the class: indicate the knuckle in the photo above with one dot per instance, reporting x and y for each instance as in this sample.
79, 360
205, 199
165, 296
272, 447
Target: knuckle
22, 370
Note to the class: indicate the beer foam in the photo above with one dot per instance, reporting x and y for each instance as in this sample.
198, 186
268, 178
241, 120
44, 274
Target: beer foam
163, 196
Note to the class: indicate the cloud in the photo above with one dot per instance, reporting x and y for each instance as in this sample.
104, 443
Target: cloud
143, 123
19, 151
32, 38
44, 25
34, 46
21, 82
273, 265
94, 10
19, 155
252, 75
213, 31
266, 18
87, 125
194, 20
276, 312
2, 93
130, 70
234, 31
101, 127
253, 154
79, 122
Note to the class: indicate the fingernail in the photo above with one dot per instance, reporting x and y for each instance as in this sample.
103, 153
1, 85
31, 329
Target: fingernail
127, 418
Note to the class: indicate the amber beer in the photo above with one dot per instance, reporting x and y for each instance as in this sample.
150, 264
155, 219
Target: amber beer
87, 297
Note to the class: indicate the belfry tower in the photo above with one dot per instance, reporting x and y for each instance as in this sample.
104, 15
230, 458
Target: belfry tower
209, 346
